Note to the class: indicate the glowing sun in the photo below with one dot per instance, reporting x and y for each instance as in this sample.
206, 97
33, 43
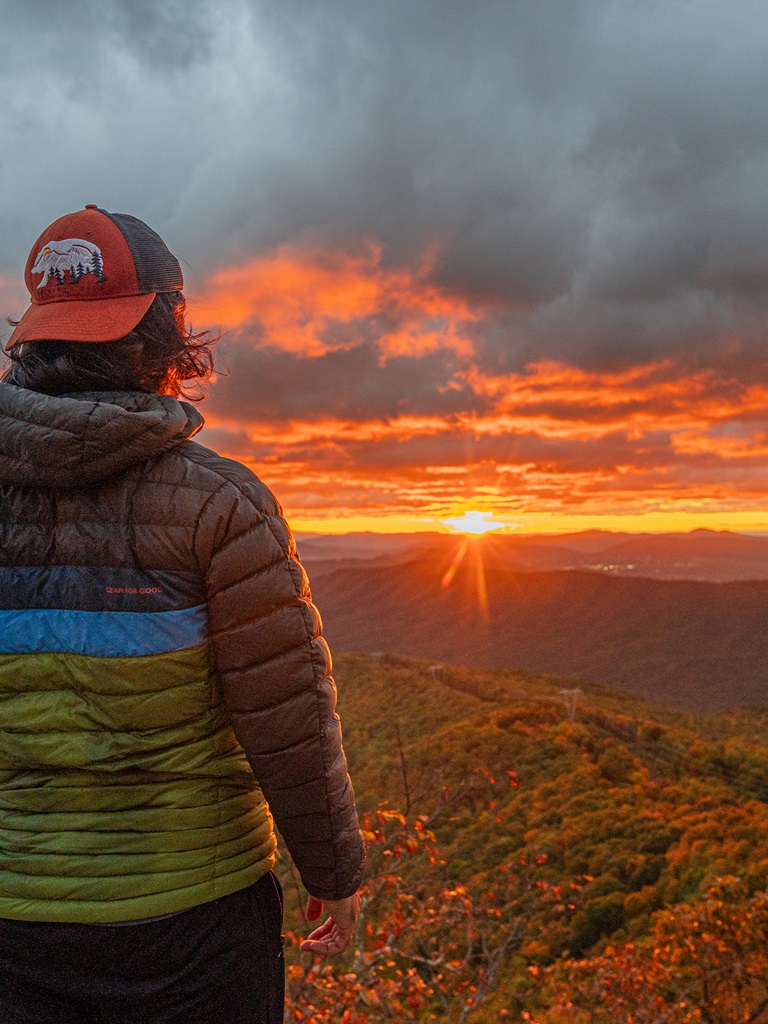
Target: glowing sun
473, 522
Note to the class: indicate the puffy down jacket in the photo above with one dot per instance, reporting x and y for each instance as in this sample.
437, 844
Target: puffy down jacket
163, 681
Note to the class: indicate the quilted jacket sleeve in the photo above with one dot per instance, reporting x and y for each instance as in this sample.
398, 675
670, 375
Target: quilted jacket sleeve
275, 671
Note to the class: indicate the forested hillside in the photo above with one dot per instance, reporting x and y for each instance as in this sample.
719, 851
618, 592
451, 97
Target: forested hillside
699, 555
693, 644
525, 866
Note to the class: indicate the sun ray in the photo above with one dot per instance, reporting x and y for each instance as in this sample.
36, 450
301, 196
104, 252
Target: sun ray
457, 560
473, 545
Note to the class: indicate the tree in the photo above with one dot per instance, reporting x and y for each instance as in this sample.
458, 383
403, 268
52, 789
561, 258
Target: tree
422, 945
703, 962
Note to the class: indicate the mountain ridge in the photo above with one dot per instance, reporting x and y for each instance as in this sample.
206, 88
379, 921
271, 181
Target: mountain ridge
701, 554
691, 644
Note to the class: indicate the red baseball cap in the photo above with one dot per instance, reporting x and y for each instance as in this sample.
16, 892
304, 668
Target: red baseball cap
92, 276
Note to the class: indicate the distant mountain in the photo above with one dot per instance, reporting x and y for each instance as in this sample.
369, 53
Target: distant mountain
688, 643
702, 554
321, 547
699, 555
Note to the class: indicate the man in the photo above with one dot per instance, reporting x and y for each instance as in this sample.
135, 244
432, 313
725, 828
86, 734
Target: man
164, 687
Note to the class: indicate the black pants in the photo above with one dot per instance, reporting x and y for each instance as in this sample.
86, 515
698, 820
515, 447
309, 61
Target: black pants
219, 963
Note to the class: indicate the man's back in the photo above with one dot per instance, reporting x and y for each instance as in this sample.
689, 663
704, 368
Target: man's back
125, 603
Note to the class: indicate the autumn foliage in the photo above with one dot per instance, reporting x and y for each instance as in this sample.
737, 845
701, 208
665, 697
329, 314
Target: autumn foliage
422, 947
702, 962
524, 867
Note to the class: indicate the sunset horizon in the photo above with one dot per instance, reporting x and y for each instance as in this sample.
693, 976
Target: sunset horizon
395, 525
548, 309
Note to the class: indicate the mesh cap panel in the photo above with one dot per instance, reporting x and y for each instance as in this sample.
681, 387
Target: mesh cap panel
157, 269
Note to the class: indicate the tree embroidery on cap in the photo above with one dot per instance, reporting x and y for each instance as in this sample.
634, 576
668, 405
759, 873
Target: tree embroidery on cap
72, 254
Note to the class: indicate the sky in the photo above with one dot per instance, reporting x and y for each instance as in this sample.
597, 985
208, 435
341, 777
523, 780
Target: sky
506, 258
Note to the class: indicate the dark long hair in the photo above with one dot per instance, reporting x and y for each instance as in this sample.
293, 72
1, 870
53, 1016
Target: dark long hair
161, 355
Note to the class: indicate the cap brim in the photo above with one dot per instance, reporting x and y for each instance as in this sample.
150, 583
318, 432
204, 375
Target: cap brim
86, 320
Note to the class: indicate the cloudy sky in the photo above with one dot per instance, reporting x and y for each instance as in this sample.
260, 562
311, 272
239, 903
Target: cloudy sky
508, 256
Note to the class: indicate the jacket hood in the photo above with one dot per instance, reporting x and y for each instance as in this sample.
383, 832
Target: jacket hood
76, 440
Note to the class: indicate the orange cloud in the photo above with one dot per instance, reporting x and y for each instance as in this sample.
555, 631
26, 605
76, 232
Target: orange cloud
13, 297
297, 296
353, 417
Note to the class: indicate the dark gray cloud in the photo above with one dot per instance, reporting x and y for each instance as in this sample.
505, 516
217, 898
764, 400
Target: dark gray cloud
57, 35
596, 170
264, 384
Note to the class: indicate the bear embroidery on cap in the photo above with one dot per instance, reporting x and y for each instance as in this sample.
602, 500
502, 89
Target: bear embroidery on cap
73, 254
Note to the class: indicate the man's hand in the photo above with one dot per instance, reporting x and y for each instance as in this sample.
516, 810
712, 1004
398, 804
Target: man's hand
335, 934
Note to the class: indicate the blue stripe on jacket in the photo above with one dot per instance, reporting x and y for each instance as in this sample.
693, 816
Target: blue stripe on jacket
102, 634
